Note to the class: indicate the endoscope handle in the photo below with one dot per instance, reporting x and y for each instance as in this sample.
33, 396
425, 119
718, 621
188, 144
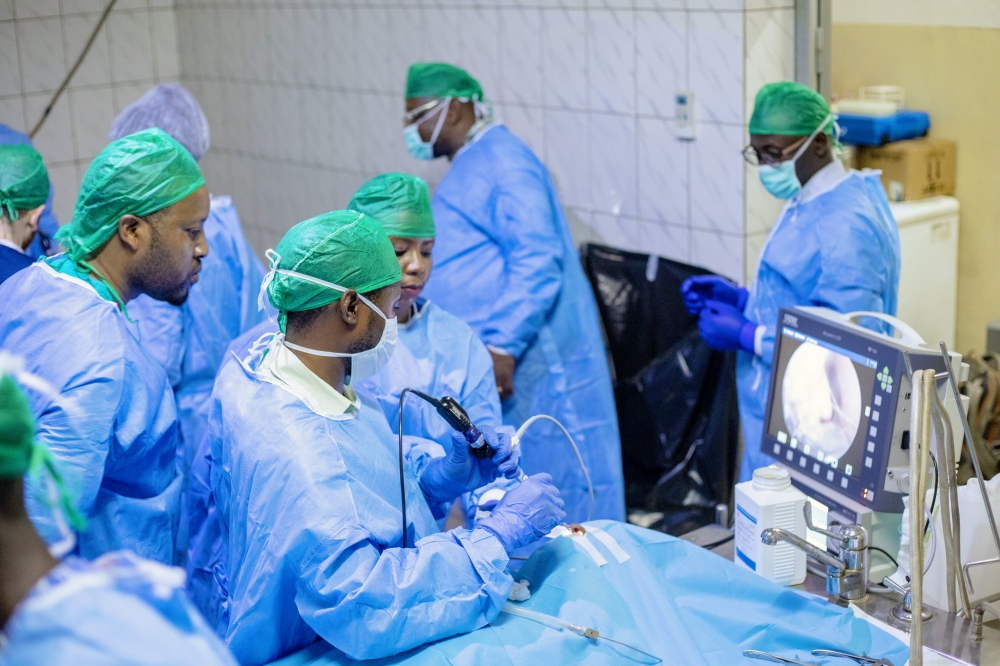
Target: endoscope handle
458, 419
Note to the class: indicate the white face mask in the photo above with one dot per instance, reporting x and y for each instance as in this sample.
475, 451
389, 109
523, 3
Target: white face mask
364, 364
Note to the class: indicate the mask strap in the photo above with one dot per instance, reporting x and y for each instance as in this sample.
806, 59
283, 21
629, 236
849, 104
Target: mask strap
273, 259
800, 151
440, 123
330, 285
314, 352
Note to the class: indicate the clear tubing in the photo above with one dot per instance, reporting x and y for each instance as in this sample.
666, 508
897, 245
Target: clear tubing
559, 624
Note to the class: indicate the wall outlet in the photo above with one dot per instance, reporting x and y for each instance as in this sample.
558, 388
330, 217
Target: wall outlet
684, 116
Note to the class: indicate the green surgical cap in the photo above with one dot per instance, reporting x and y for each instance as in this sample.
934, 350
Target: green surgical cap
138, 174
24, 182
17, 429
439, 79
19, 452
344, 247
789, 108
401, 202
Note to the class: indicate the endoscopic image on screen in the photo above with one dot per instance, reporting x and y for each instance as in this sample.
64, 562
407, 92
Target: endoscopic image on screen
821, 401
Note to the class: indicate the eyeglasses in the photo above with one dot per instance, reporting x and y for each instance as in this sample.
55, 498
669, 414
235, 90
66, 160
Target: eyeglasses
411, 116
754, 157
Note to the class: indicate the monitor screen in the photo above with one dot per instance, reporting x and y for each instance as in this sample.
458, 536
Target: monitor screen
821, 403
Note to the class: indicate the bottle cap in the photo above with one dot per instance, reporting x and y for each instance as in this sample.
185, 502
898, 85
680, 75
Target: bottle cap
771, 477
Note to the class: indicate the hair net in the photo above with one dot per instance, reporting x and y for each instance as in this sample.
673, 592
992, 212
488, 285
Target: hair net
24, 182
439, 79
138, 175
344, 247
19, 452
789, 108
401, 202
173, 109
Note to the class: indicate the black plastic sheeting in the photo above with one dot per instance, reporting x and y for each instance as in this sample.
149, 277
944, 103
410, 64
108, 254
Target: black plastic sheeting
676, 398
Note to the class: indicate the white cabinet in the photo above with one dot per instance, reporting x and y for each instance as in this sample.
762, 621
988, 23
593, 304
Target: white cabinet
928, 282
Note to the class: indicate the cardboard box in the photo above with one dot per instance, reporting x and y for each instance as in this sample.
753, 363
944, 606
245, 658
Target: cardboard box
914, 169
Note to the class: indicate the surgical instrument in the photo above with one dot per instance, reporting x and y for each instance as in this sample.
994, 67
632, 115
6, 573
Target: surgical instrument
767, 656
861, 659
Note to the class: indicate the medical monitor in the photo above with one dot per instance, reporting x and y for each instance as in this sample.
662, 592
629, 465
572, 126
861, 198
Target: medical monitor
838, 407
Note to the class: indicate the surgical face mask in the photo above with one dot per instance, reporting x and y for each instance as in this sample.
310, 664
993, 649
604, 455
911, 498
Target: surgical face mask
367, 363
363, 364
417, 147
780, 179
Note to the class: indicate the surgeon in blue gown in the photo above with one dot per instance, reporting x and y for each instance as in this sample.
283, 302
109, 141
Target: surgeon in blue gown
119, 610
190, 340
437, 353
137, 228
48, 225
836, 245
504, 263
306, 474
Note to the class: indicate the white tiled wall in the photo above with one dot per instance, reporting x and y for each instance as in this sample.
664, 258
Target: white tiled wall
305, 100
41, 39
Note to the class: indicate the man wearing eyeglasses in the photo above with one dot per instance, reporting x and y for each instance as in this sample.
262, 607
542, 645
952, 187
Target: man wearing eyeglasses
835, 245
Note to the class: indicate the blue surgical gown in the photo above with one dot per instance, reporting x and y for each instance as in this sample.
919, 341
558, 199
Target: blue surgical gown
839, 250
190, 340
309, 509
48, 224
504, 263
112, 428
118, 610
206, 552
439, 355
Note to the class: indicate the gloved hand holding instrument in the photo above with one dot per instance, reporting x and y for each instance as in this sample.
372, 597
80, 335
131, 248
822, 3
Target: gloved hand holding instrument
463, 470
526, 513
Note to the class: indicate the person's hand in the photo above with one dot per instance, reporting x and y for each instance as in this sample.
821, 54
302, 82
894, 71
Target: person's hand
724, 328
698, 289
446, 478
526, 513
503, 370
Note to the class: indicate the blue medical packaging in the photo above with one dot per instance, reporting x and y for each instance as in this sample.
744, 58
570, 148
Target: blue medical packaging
879, 130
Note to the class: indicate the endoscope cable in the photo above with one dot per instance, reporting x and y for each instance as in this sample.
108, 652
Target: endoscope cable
576, 452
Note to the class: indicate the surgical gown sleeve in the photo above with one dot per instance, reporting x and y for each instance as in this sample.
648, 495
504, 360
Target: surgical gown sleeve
371, 603
525, 228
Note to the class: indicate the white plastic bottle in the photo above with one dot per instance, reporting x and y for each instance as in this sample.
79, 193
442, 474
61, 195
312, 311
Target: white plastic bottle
770, 500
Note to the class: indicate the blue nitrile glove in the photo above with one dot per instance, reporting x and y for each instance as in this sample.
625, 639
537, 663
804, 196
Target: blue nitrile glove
446, 478
526, 513
698, 289
724, 328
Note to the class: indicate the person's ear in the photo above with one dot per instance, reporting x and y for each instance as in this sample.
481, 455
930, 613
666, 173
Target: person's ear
132, 231
34, 217
821, 144
350, 306
454, 112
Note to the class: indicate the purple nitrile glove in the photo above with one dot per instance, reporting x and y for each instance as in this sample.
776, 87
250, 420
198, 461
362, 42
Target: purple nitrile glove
724, 328
526, 513
446, 478
699, 289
